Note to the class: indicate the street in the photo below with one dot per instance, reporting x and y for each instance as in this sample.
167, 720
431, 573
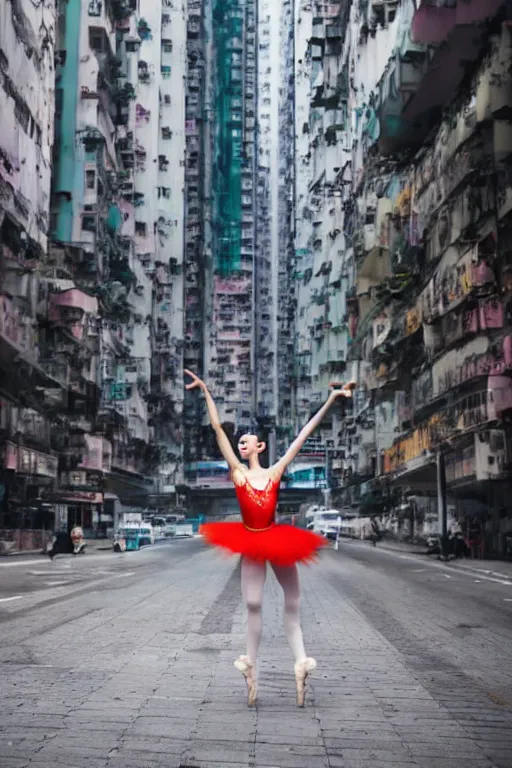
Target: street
126, 661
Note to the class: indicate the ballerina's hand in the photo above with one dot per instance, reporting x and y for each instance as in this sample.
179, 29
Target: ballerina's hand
342, 390
196, 381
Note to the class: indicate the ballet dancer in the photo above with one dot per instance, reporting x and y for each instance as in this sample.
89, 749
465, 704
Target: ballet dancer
258, 539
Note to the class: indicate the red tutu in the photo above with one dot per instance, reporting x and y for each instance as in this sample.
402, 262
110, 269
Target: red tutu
279, 544
258, 537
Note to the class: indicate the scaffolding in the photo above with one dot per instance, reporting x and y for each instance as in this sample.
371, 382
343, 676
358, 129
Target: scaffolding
228, 43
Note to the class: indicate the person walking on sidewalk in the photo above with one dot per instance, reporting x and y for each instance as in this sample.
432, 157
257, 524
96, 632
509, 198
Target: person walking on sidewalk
259, 540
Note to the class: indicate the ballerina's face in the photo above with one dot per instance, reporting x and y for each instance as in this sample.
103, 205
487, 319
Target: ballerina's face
248, 445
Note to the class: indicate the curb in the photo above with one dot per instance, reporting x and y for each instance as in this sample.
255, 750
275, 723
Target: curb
32, 552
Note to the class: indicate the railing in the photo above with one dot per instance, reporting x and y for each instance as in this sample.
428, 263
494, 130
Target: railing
56, 370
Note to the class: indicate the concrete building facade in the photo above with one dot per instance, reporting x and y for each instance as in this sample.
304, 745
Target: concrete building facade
421, 178
92, 275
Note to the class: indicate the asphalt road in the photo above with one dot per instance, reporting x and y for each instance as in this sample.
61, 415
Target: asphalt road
126, 661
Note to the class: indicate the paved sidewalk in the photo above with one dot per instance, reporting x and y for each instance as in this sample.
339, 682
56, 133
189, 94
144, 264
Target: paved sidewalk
143, 677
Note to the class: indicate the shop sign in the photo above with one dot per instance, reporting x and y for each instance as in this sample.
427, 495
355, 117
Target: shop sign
419, 443
77, 497
412, 321
381, 329
449, 285
29, 462
231, 286
407, 449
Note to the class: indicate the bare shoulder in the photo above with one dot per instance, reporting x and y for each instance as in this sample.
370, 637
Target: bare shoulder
275, 472
238, 475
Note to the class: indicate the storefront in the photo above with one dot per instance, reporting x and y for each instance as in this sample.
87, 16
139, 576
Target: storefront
27, 519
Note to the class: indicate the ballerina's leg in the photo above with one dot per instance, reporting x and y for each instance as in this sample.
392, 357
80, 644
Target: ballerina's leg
288, 578
253, 584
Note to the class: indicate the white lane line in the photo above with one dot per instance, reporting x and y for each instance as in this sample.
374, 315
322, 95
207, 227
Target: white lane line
56, 583
8, 599
23, 562
507, 599
38, 573
470, 574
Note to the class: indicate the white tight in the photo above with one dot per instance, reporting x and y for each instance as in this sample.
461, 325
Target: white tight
253, 583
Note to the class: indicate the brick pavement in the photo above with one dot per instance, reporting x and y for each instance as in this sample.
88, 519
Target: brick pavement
145, 678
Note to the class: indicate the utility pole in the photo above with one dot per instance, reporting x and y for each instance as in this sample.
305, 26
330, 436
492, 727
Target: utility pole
442, 509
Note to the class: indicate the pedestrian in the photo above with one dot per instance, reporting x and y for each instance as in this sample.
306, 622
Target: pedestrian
258, 539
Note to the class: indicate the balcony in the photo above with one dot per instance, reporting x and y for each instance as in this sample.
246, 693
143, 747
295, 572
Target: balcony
24, 424
71, 308
434, 23
429, 67
17, 330
57, 371
27, 462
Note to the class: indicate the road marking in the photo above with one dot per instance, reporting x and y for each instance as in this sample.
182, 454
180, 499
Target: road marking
447, 576
23, 562
8, 599
508, 599
469, 573
56, 583
37, 573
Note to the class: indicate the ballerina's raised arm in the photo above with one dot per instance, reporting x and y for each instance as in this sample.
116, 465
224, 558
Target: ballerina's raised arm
222, 439
341, 390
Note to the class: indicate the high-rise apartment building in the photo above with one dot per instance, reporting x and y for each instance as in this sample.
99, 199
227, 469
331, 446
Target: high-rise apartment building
245, 158
93, 278
403, 229
118, 212
28, 459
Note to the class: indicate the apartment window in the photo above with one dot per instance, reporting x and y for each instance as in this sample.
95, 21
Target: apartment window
141, 228
166, 133
383, 12
97, 39
167, 46
167, 99
90, 179
59, 100
164, 192
89, 223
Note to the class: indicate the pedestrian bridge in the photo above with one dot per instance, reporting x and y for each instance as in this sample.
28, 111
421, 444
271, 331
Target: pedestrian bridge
209, 489
219, 500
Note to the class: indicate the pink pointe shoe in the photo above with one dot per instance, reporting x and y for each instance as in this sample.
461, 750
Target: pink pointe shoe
302, 671
247, 669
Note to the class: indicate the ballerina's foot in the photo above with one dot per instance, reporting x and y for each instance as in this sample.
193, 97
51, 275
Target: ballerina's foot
247, 669
302, 671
